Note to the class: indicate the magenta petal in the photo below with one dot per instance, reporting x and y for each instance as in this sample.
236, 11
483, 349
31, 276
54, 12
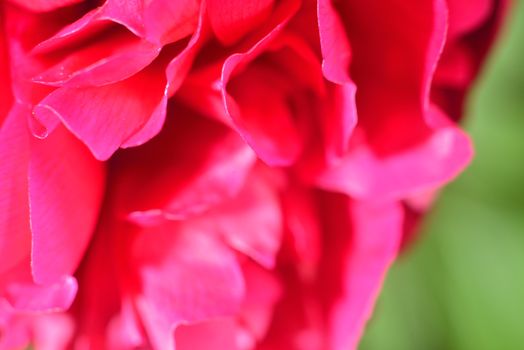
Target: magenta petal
334, 43
15, 237
106, 117
363, 174
44, 5
274, 140
341, 120
216, 334
186, 276
93, 66
65, 190
57, 296
393, 64
250, 223
167, 21
6, 96
232, 19
338, 119
468, 15
376, 235
262, 115
183, 184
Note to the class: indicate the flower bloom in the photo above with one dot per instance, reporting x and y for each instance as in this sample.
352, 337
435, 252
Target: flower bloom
220, 174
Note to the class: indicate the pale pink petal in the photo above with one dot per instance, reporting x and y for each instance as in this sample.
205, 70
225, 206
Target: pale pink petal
66, 187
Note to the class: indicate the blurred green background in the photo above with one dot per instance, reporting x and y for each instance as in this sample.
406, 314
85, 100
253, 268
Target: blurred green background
461, 286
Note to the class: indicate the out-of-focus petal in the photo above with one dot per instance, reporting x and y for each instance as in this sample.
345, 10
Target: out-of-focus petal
250, 223
470, 36
185, 183
6, 97
29, 297
365, 258
186, 276
364, 174
466, 15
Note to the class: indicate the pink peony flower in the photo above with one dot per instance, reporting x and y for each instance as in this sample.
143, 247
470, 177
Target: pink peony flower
221, 174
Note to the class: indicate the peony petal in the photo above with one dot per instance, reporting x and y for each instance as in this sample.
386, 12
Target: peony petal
342, 118
215, 334
105, 117
467, 15
393, 64
158, 21
276, 141
92, 51
111, 59
168, 258
250, 223
303, 227
6, 97
57, 296
44, 5
15, 331
15, 236
365, 175
336, 52
362, 259
471, 35
263, 116
101, 294
52, 331
168, 21
185, 184
65, 191
338, 120
232, 19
